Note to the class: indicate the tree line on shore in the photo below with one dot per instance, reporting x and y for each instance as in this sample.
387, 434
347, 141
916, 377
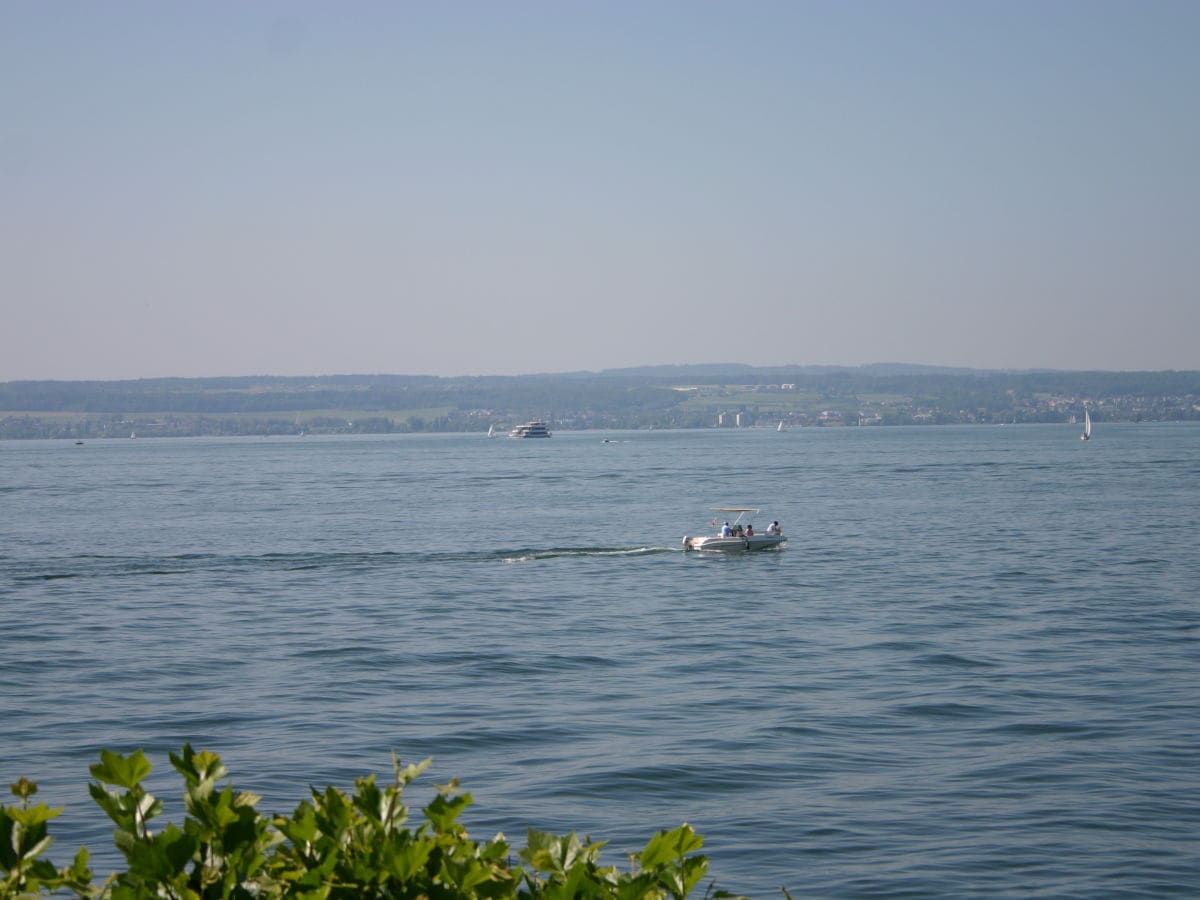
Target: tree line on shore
654, 397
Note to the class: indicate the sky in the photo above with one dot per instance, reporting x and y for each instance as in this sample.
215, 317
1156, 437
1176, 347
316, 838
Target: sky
484, 188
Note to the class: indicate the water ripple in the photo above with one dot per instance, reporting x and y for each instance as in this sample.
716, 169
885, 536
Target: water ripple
972, 673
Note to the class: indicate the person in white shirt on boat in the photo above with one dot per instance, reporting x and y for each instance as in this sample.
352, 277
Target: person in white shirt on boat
726, 531
773, 528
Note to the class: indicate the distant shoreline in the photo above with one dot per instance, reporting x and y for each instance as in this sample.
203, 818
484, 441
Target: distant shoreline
660, 397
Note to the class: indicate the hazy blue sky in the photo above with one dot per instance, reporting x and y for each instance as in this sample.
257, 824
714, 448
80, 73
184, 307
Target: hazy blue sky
506, 187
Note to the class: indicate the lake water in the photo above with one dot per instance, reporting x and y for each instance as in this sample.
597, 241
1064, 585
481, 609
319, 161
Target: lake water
973, 671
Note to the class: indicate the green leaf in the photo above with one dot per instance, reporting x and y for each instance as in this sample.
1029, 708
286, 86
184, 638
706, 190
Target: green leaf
496, 849
197, 767
8, 841
42, 870
694, 869
122, 771
176, 847
78, 873
30, 816
23, 788
408, 774
557, 855
368, 798
405, 862
40, 845
148, 806
668, 846
443, 811
301, 828
114, 805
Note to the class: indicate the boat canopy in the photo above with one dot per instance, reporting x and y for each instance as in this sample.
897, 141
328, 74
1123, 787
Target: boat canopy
736, 509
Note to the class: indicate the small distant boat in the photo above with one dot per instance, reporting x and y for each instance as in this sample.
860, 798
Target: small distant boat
780, 428
132, 435
530, 430
491, 431
730, 540
79, 443
1087, 426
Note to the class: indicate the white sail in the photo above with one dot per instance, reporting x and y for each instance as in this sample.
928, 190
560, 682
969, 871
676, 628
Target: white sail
1087, 426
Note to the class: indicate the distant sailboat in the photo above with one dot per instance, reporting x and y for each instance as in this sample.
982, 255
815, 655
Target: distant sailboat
491, 431
1087, 426
780, 428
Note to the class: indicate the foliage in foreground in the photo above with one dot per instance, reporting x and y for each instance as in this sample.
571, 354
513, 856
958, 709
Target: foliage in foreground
335, 845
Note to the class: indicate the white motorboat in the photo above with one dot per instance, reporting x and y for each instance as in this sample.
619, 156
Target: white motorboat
733, 537
530, 430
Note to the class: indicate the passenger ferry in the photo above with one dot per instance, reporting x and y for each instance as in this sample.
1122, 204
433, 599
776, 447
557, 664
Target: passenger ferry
530, 430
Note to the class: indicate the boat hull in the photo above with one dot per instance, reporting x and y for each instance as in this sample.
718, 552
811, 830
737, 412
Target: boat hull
734, 544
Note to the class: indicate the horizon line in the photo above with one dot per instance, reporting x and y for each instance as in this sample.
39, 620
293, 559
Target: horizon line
932, 368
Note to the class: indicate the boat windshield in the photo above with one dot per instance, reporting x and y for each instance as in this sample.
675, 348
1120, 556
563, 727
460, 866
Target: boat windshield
740, 510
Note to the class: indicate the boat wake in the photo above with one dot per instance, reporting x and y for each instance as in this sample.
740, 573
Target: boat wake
92, 566
555, 553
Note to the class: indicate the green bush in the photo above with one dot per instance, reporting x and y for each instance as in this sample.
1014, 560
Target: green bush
335, 845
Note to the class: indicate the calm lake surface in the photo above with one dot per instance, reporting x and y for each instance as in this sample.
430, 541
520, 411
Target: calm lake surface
973, 671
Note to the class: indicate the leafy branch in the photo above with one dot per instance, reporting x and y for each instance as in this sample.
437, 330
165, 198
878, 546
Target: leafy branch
334, 845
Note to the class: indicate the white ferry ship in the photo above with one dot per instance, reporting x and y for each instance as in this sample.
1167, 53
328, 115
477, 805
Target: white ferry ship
530, 430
